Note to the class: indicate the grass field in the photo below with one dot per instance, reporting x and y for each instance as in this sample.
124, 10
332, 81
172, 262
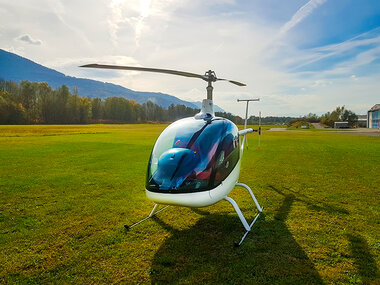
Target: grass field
67, 191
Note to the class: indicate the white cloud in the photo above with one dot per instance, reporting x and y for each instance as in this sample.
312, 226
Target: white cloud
131, 13
317, 54
28, 39
301, 14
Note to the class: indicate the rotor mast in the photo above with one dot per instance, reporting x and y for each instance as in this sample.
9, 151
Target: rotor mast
210, 77
209, 90
207, 110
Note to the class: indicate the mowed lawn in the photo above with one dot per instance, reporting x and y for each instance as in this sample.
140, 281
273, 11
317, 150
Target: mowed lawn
67, 191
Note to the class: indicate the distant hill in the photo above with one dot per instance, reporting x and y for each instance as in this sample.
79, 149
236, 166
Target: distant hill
199, 106
17, 68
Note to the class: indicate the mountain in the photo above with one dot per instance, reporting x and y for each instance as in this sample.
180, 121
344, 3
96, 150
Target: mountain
17, 68
199, 106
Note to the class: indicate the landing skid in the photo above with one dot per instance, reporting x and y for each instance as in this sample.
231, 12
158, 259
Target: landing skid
152, 213
240, 214
247, 226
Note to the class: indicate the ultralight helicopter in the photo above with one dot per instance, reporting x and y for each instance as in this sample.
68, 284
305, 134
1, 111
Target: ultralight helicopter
195, 161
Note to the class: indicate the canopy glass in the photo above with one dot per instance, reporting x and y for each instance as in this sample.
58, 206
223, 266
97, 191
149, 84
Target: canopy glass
193, 155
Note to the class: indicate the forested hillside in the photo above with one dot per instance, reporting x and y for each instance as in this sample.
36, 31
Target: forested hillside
37, 103
16, 68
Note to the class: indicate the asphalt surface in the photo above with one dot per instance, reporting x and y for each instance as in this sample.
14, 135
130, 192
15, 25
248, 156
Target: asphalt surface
317, 125
360, 132
357, 132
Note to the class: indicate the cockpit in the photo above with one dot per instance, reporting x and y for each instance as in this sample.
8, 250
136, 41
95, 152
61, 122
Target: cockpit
193, 155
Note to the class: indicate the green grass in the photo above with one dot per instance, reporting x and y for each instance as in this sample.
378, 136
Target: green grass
67, 191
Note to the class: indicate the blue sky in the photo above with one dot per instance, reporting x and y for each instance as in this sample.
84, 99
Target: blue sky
298, 56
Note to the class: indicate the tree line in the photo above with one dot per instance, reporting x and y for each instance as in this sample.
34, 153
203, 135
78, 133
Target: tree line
37, 103
254, 120
340, 114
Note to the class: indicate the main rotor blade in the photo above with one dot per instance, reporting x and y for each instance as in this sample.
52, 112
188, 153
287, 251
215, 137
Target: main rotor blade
233, 82
168, 71
159, 70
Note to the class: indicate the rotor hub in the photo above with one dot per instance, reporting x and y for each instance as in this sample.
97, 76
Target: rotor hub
210, 76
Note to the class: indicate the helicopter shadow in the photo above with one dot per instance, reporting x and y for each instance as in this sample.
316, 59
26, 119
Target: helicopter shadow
204, 253
364, 261
310, 203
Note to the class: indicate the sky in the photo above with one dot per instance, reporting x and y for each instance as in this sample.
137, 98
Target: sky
297, 56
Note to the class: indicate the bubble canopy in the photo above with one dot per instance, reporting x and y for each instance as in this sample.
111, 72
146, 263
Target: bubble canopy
193, 155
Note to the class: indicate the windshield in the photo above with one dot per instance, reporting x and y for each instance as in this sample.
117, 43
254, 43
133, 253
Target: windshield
193, 155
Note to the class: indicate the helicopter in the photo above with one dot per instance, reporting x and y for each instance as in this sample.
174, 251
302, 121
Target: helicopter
195, 162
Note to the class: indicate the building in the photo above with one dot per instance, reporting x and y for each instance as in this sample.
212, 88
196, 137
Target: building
374, 117
362, 121
341, 125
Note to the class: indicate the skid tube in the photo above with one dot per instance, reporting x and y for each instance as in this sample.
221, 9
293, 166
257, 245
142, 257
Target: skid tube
247, 226
152, 214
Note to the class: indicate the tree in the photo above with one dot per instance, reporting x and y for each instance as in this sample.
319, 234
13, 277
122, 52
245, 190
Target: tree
350, 117
62, 97
97, 109
45, 102
312, 118
340, 114
28, 99
85, 110
11, 112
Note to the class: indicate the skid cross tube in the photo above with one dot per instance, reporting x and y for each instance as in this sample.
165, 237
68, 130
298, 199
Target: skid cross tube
240, 214
152, 213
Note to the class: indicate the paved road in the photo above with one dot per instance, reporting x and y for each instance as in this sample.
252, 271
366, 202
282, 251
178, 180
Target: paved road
277, 129
317, 125
358, 131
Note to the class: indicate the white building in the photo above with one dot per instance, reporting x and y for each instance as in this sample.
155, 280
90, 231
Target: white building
374, 117
341, 125
362, 121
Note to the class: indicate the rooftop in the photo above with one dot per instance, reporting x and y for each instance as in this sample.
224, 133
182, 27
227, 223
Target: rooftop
375, 108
